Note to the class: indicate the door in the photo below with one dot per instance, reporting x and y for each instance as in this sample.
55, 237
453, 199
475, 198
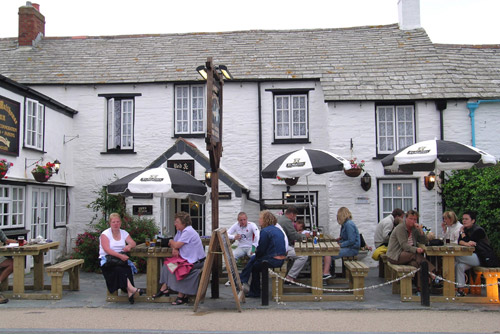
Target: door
41, 216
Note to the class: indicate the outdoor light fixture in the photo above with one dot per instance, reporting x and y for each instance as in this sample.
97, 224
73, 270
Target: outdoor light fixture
430, 181
208, 177
287, 193
57, 165
203, 71
366, 182
222, 69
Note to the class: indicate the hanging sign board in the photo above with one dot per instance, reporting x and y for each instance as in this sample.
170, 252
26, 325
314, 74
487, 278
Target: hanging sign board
9, 126
220, 241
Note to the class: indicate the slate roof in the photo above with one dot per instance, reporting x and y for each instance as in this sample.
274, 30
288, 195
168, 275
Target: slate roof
360, 63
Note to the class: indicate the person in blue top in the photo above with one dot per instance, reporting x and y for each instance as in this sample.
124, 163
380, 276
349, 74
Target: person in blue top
271, 248
349, 240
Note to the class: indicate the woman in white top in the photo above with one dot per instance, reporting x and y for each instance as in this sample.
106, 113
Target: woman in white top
451, 226
116, 242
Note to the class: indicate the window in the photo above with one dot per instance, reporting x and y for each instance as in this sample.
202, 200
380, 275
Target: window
395, 128
60, 207
290, 116
35, 113
11, 206
196, 211
299, 199
190, 109
120, 124
397, 194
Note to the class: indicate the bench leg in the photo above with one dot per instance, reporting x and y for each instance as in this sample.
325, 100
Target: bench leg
74, 278
492, 286
56, 287
406, 292
477, 281
358, 282
381, 269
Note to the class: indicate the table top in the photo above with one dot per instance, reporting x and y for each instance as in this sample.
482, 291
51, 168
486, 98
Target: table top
322, 247
29, 249
143, 250
448, 250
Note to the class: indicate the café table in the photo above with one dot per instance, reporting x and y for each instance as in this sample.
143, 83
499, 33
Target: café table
324, 247
154, 258
448, 253
19, 254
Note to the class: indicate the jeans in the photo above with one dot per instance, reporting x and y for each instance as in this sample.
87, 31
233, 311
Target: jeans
462, 264
298, 263
254, 268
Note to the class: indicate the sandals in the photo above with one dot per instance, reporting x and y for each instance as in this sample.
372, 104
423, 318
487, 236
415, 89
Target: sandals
131, 297
161, 293
180, 300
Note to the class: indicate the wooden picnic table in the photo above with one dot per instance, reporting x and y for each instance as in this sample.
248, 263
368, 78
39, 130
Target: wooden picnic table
19, 254
154, 258
325, 247
448, 254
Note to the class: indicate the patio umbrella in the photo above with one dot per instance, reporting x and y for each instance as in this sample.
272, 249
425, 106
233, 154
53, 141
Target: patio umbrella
436, 154
164, 182
305, 162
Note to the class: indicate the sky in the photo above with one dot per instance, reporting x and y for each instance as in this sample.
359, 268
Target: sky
445, 21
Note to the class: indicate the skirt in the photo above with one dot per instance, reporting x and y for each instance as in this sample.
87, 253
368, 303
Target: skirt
187, 286
116, 278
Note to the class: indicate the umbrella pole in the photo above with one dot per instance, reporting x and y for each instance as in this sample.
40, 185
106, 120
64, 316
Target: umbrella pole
309, 202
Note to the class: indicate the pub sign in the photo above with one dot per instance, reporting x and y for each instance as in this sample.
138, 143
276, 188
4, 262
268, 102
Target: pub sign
9, 126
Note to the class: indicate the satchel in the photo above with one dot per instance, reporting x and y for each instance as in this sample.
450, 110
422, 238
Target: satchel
486, 254
113, 261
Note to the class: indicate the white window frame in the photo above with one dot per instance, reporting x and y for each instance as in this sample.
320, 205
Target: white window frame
391, 198
35, 120
190, 109
12, 206
395, 132
287, 118
292, 197
188, 205
60, 207
121, 134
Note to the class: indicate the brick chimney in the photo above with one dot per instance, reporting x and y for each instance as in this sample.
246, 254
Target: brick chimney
31, 24
409, 14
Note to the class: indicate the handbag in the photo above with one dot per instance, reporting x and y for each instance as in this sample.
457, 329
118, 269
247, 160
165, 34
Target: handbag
113, 261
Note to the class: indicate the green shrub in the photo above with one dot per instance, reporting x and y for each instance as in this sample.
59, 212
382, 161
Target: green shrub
478, 190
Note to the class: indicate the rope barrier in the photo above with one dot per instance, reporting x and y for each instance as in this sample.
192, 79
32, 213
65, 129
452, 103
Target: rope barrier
276, 297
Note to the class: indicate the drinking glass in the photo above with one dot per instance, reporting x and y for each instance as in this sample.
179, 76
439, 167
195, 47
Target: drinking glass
20, 240
148, 242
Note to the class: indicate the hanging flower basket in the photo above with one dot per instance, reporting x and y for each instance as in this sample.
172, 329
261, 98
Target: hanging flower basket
353, 172
4, 167
291, 181
41, 176
2, 174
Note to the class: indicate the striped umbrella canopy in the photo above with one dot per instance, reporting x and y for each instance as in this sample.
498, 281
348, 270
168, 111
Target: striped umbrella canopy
305, 162
436, 154
163, 182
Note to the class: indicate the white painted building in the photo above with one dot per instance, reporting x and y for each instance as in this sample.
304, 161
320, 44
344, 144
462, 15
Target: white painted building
383, 87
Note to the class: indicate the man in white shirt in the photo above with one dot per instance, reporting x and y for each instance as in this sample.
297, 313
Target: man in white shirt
247, 234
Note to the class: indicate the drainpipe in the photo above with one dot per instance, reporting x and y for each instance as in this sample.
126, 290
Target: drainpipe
441, 105
472, 110
259, 108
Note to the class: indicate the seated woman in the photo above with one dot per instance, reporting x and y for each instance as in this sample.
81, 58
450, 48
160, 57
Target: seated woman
116, 242
349, 240
451, 226
271, 248
181, 272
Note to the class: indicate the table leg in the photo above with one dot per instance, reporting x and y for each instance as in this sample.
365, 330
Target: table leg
18, 284
152, 275
449, 274
317, 274
38, 271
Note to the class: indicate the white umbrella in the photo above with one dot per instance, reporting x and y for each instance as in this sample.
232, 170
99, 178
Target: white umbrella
164, 182
305, 162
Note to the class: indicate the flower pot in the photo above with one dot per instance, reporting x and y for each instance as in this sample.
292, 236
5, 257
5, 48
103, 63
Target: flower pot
291, 181
3, 173
353, 172
40, 177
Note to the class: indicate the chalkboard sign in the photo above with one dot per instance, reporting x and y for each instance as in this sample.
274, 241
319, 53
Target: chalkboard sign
220, 242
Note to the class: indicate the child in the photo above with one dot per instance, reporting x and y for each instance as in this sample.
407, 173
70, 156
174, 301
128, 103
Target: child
301, 227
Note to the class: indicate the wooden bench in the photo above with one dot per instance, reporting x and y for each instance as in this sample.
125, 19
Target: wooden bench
4, 286
277, 282
491, 277
56, 273
356, 272
403, 286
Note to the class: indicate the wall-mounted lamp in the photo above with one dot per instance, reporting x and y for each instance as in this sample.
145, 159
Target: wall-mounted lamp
67, 139
57, 165
287, 193
430, 181
366, 182
26, 160
222, 69
208, 177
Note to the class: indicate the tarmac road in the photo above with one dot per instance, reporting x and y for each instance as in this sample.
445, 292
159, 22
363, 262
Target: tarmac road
106, 320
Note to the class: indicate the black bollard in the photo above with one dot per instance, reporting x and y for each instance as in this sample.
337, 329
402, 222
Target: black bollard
424, 284
265, 283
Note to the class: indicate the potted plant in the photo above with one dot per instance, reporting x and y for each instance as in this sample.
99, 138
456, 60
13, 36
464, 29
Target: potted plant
356, 168
290, 181
4, 167
42, 173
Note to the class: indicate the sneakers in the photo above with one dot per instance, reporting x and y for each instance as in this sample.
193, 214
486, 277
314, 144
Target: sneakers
460, 293
326, 276
228, 283
290, 280
3, 300
246, 288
